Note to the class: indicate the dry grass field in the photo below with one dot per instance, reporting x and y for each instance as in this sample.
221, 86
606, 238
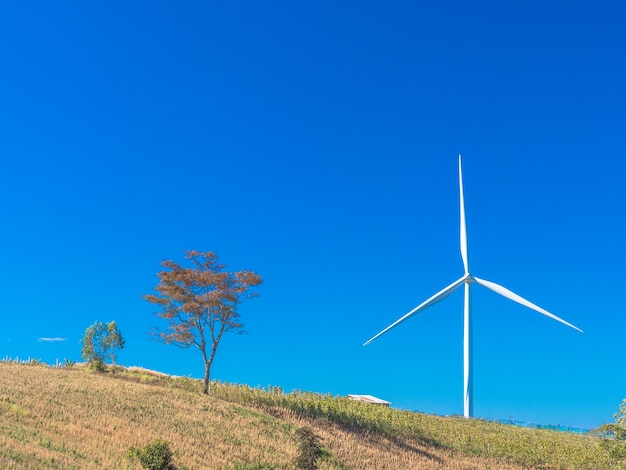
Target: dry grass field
73, 418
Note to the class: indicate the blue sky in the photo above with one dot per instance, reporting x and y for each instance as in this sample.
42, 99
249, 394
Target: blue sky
317, 145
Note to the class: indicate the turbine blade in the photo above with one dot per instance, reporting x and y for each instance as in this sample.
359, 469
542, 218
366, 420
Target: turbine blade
504, 292
442, 294
463, 227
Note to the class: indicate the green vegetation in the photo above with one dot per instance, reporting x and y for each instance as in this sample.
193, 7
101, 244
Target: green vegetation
157, 455
527, 447
101, 342
71, 418
309, 449
613, 437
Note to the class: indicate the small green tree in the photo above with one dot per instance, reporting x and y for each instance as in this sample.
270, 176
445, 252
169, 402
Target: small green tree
101, 342
309, 449
613, 437
157, 455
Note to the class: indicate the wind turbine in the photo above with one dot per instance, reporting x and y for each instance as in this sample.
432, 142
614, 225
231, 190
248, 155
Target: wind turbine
468, 279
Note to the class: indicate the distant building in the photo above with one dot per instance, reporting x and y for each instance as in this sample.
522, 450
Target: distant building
369, 399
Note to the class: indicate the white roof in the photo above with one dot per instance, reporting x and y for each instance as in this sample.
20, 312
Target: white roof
369, 399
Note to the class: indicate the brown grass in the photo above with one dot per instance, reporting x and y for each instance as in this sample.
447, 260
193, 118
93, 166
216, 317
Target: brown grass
71, 418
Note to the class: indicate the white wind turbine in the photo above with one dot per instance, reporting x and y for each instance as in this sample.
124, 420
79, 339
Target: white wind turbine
468, 279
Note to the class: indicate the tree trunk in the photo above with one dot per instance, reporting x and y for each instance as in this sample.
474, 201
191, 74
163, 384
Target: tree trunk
206, 385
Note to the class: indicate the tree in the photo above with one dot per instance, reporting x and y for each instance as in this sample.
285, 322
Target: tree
620, 419
101, 342
200, 304
613, 436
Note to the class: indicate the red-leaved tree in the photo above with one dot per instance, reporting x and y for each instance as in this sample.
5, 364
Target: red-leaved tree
200, 303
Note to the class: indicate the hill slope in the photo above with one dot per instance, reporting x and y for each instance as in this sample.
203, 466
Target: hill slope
72, 418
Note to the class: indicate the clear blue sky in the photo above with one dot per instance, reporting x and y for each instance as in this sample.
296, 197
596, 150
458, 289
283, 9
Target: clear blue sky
316, 143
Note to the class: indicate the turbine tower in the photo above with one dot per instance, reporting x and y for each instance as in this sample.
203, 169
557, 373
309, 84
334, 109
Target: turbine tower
468, 279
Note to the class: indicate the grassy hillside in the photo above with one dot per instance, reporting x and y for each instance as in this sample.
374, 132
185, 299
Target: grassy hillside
72, 418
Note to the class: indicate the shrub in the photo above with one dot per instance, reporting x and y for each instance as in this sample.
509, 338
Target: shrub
157, 455
68, 363
97, 365
309, 449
